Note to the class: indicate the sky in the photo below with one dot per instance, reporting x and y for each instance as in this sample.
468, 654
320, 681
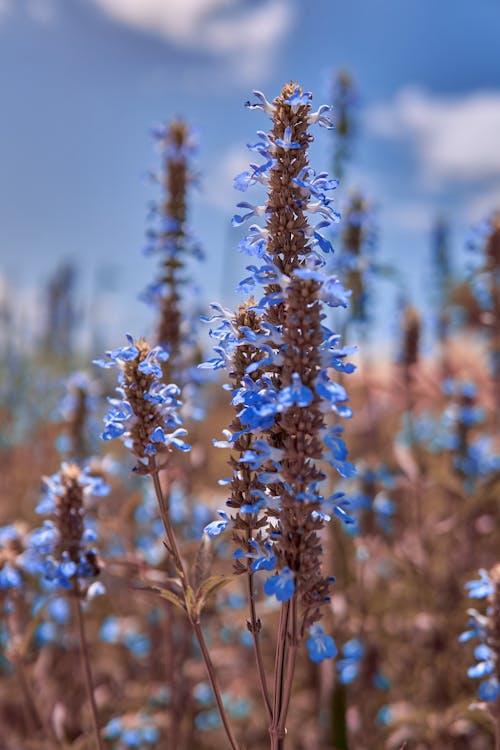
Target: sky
83, 81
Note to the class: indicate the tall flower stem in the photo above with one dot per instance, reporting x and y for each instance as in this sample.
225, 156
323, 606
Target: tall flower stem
277, 731
84, 653
257, 650
193, 619
33, 718
214, 683
290, 666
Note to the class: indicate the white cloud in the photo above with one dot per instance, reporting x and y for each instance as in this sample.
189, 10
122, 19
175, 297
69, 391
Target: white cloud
454, 138
246, 34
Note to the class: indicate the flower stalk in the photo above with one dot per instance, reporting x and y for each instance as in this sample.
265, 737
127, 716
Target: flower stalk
279, 353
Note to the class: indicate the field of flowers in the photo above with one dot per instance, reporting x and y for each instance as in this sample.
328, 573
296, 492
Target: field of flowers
255, 528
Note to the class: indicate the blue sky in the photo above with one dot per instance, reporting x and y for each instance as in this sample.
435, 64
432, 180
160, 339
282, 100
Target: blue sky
82, 82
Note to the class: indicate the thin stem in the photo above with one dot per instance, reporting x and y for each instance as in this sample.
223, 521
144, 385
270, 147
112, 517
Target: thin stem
277, 735
194, 621
163, 507
84, 652
33, 718
256, 644
213, 682
290, 666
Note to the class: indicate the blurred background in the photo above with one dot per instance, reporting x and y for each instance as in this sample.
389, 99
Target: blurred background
83, 81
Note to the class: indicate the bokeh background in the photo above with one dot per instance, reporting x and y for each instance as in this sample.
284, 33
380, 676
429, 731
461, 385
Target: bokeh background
83, 81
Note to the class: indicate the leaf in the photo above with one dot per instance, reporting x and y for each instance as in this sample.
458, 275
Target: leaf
191, 607
203, 560
208, 588
170, 596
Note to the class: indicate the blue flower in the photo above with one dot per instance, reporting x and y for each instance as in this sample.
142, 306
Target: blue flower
489, 690
282, 585
217, 527
296, 393
280, 365
262, 103
133, 730
320, 645
58, 557
10, 577
298, 99
486, 658
157, 422
349, 666
286, 142
262, 559
482, 588
480, 626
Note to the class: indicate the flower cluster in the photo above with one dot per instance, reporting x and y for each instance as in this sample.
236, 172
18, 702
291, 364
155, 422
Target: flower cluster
77, 406
11, 549
146, 414
132, 730
280, 354
370, 507
486, 628
344, 100
485, 284
356, 264
172, 242
63, 546
127, 632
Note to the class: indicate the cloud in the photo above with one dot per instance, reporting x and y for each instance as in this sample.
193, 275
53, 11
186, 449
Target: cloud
246, 34
455, 138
